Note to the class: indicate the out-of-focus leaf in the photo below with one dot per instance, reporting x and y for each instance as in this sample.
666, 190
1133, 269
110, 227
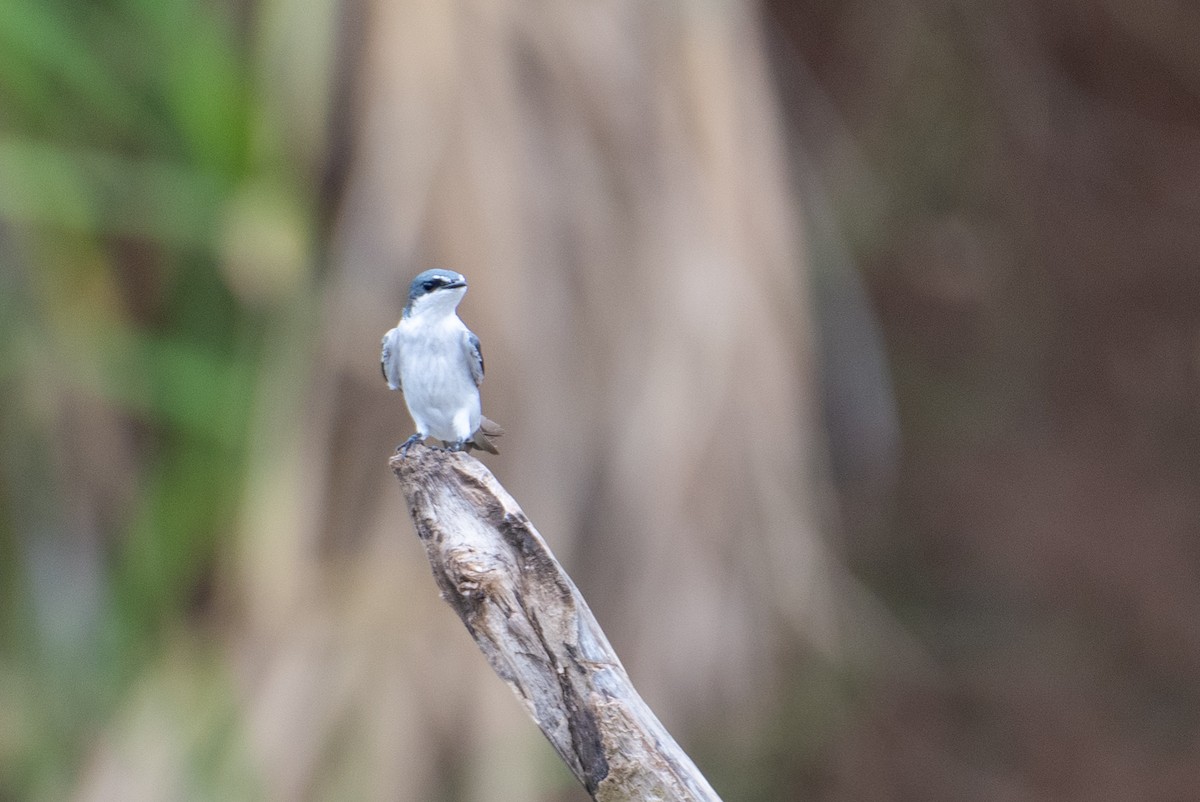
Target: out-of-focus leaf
44, 57
264, 243
200, 81
106, 193
173, 382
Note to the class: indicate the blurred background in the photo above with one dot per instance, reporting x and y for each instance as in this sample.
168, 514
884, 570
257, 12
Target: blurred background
849, 355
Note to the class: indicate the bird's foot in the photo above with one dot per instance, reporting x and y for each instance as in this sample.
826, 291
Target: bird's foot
403, 447
457, 445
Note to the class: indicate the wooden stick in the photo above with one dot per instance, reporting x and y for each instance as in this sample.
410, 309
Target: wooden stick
536, 630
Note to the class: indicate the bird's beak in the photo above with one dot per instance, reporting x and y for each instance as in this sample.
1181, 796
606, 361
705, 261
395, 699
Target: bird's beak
454, 285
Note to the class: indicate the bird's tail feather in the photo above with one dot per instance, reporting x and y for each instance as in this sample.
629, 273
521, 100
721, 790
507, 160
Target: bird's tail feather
482, 437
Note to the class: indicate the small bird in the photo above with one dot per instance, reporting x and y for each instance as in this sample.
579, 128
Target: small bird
435, 360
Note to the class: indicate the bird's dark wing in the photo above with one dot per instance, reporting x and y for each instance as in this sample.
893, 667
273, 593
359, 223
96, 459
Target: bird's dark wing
389, 358
474, 357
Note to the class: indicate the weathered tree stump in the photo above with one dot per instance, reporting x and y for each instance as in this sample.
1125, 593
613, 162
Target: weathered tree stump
536, 630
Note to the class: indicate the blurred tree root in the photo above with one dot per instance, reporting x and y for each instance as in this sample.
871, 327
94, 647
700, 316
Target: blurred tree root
536, 630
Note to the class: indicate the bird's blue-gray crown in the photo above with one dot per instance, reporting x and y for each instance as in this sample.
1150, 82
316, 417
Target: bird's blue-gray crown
434, 280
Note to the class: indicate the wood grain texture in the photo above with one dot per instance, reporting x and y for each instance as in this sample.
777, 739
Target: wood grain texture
536, 631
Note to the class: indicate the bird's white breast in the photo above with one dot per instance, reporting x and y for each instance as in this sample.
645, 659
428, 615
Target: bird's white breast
438, 389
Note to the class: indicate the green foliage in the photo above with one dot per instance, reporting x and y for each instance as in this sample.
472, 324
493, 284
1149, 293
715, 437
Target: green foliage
129, 350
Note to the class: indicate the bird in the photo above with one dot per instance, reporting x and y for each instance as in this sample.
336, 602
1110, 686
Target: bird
436, 361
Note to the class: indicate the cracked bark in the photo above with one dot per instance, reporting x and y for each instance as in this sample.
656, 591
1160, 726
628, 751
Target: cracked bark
536, 631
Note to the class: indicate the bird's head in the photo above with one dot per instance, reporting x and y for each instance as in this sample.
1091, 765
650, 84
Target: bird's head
435, 291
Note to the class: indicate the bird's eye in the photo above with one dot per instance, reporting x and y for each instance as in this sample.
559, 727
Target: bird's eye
431, 285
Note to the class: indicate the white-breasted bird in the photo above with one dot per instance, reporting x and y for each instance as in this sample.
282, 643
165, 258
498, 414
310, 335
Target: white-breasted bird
436, 362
